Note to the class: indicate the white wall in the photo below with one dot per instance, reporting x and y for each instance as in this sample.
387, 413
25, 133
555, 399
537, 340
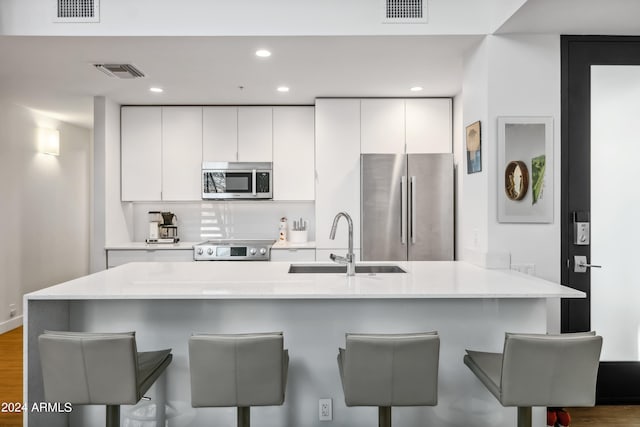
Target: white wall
45, 204
472, 231
512, 75
242, 18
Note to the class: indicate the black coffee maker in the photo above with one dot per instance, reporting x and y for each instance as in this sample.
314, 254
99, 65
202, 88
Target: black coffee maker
169, 227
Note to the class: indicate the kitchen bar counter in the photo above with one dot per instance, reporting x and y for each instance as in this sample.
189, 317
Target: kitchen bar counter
164, 303
270, 280
127, 246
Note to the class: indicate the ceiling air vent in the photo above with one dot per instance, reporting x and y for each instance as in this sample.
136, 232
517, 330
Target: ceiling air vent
120, 71
77, 11
405, 11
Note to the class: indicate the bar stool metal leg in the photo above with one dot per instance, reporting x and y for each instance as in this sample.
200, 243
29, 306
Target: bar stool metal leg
524, 416
244, 416
384, 416
113, 416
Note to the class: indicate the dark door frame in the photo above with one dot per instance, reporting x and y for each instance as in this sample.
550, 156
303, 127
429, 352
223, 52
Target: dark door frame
618, 382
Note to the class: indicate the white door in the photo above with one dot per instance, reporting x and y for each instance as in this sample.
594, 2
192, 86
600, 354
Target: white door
615, 202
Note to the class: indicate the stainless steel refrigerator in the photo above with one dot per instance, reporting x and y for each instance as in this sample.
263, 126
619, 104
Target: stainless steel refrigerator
407, 207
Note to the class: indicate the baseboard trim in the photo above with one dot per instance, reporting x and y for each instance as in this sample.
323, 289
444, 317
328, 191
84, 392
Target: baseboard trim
10, 324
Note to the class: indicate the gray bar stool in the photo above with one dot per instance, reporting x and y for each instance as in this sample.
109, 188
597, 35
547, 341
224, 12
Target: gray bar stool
540, 370
85, 368
238, 370
386, 370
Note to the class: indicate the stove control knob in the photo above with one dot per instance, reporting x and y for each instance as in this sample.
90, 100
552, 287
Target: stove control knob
252, 251
263, 251
210, 251
199, 251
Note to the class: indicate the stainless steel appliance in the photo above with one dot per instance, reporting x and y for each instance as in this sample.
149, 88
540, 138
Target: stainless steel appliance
237, 180
233, 250
407, 207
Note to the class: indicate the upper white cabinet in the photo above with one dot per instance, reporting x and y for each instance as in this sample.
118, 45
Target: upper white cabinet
417, 125
237, 134
337, 169
141, 153
382, 125
220, 134
429, 127
181, 153
255, 134
293, 153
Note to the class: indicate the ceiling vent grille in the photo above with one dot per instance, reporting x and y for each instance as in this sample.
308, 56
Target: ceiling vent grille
77, 11
405, 11
120, 71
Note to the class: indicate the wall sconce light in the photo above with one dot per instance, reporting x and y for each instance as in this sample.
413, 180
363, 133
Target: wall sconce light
49, 141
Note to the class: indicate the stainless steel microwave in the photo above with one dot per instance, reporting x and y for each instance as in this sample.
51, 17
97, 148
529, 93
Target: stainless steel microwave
237, 180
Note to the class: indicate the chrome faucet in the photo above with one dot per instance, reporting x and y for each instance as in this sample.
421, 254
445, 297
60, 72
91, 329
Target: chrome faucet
349, 259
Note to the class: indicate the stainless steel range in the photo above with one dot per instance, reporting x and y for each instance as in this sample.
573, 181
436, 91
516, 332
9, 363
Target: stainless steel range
233, 250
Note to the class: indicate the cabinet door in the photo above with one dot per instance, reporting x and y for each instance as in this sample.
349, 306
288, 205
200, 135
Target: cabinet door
181, 153
119, 257
219, 134
382, 123
429, 126
293, 255
255, 134
141, 153
337, 169
293, 153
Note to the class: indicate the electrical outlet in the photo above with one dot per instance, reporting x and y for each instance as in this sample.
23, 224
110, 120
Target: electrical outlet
12, 310
325, 410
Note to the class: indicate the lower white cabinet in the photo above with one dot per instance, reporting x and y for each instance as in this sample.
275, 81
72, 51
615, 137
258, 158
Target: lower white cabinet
322, 255
116, 257
293, 255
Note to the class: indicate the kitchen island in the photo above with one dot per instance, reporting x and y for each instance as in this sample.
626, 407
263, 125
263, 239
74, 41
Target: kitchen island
164, 303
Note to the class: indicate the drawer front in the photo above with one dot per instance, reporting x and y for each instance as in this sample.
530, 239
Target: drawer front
297, 255
119, 257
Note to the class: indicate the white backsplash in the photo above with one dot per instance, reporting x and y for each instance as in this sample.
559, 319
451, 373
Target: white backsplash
200, 221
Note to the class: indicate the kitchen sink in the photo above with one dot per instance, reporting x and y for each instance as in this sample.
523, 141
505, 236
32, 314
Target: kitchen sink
337, 268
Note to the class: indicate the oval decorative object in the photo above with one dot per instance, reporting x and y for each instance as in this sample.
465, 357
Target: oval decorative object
516, 180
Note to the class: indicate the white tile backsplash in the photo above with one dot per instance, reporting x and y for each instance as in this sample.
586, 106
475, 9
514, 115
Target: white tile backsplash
199, 221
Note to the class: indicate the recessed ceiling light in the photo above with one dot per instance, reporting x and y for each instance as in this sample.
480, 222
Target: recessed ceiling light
156, 89
283, 89
416, 89
263, 53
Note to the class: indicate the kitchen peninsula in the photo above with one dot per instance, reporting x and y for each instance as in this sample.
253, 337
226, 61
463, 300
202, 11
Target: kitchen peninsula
164, 303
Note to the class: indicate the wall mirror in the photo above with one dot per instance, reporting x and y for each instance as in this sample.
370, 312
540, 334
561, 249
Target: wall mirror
525, 169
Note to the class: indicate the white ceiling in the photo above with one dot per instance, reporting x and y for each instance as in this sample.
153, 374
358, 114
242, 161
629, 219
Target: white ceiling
55, 74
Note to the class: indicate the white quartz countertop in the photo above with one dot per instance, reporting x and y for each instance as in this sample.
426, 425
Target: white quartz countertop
143, 246
289, 245
271, 280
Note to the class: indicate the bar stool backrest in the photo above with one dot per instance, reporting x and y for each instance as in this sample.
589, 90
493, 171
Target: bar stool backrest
391, 370
89, 368
237, 370
550, 370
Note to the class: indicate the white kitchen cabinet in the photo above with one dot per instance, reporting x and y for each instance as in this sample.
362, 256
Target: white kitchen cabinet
429, 126
181, 153
322, 255
119, 257
293, 255
383, 125
141, 153
255, 134
293, 153
220, 134
337, 169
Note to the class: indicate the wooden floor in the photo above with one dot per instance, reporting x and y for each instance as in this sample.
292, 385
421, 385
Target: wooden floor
11, 375
11, 391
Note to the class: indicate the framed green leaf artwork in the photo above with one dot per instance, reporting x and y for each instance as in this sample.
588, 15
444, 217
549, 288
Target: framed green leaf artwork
525, 169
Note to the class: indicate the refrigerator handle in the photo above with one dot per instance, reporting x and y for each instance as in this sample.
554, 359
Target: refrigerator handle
412, 192
403, 206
